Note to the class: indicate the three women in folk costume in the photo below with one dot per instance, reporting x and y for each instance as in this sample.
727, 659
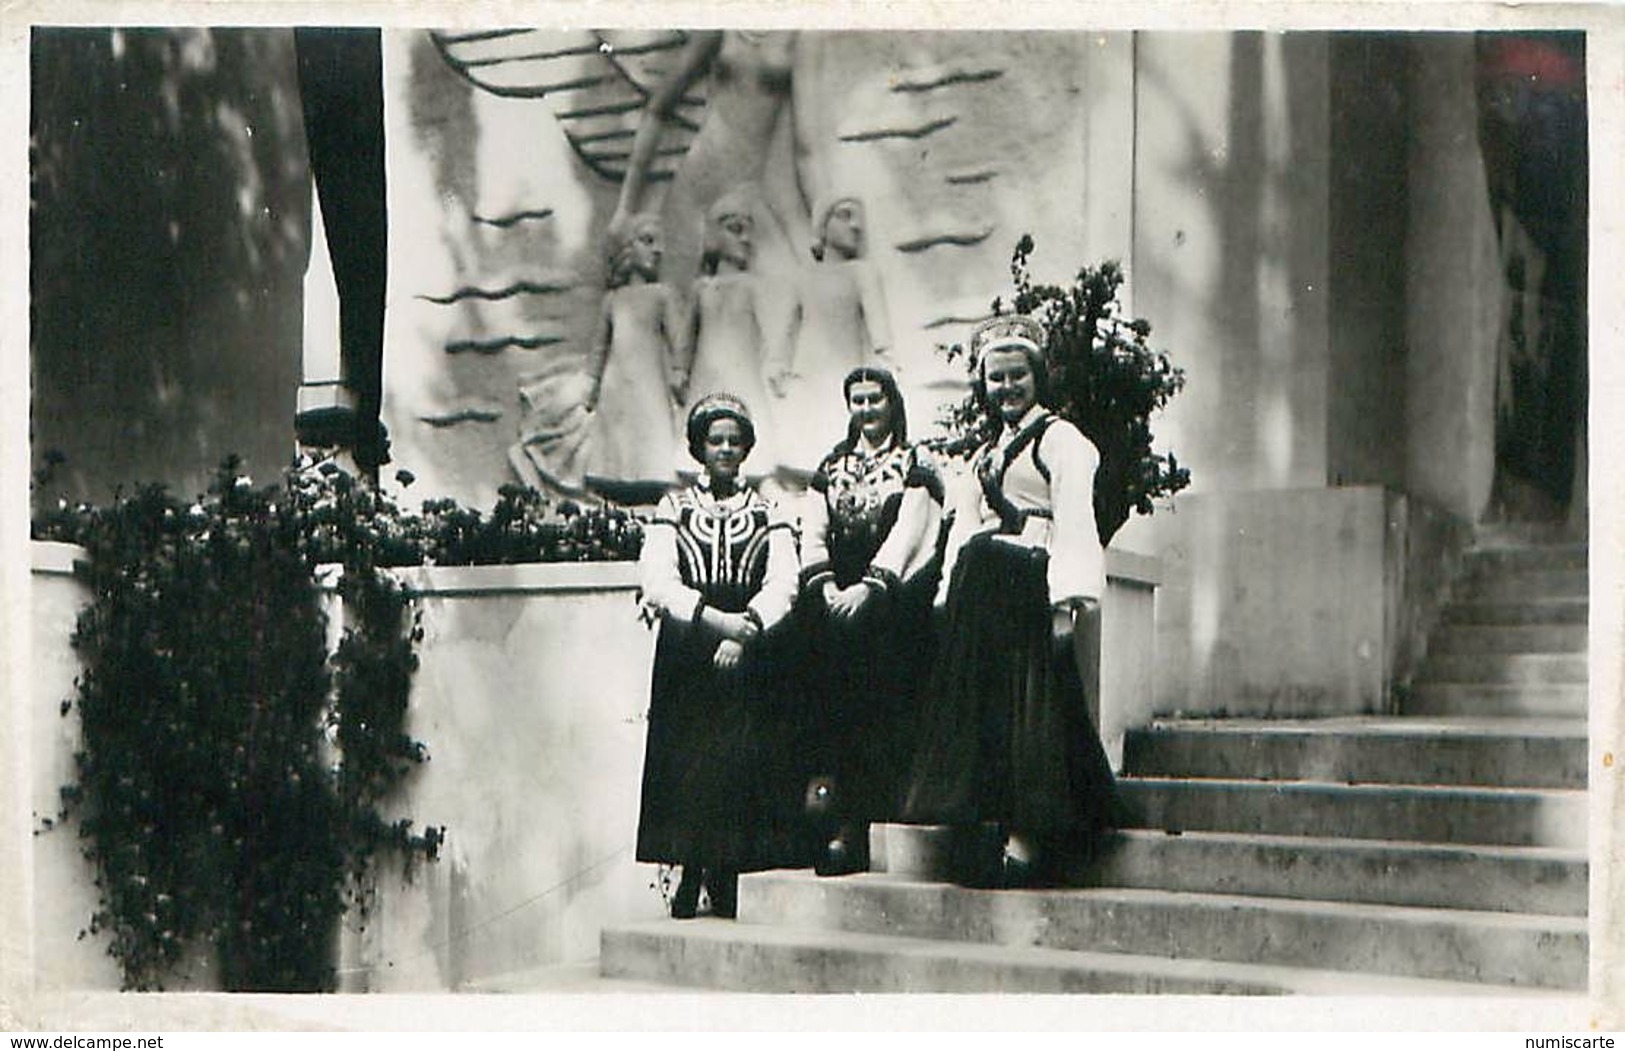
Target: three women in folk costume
982, 723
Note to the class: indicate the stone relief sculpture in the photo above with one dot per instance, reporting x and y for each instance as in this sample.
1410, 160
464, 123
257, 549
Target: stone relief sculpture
671, 123
635, 365
839, 322
728, 347
711, 114
551, 451
597, 81
751, 77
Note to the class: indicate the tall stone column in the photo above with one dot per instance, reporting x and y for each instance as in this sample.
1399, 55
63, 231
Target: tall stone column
1452, 285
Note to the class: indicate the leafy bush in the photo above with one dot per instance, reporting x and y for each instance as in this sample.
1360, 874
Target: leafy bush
1104, 377
232, 772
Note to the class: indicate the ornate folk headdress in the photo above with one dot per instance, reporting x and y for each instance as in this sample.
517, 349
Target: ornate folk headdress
713, 407
1007, 332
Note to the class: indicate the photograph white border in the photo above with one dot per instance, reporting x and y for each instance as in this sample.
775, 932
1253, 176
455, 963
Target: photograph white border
22, 1009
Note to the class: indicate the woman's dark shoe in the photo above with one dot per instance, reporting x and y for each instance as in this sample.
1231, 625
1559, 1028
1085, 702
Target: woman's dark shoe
685, 904
975, 856
724, 887
847, 853
1015, 873
1028, 864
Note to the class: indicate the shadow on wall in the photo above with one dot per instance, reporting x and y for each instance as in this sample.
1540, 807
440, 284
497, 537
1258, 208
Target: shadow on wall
497, 269
1231, 265
169, 233
1239, 292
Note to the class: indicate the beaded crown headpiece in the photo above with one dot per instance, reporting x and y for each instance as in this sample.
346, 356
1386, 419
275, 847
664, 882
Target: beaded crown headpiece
1007, 332
714, 407
719, 404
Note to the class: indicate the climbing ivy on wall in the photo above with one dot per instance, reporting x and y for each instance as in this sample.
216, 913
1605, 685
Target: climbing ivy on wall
230, 786
225, 796
1104, 376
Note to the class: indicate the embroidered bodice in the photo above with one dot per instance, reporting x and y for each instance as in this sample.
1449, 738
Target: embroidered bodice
731, 553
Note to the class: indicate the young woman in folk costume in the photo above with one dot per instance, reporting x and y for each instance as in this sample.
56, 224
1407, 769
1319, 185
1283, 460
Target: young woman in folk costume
870, 530
719, 571
1006, 740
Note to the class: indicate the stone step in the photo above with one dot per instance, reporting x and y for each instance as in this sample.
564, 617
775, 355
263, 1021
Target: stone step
1526, 557
1528, 638
1489, 878
1533, 753
1496, 699
1525, 586
1547, 611
572, 978
1510, 668
1449, 944
1528, 534
745, 957
1418, 813
1539, 880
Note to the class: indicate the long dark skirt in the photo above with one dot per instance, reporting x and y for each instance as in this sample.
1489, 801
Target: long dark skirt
717, 788
863, 679
1005, 733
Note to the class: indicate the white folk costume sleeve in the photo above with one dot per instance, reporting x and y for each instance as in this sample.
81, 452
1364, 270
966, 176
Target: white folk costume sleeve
912, 542
816, 567
778, 592
658, 574
1077, 563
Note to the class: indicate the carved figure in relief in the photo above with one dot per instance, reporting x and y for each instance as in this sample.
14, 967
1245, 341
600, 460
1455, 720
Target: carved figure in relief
635, 365
745, 137
839, 323
553, 447
728, 354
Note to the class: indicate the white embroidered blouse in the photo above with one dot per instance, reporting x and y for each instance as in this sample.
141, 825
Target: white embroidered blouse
735, 551
1057, 513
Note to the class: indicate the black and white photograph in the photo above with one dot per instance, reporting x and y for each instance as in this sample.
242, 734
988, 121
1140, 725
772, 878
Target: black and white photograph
566, 516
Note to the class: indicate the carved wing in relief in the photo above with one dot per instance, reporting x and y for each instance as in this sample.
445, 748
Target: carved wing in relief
597, 82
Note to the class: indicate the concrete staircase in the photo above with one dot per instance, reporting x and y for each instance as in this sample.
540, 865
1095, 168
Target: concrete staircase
1438, 851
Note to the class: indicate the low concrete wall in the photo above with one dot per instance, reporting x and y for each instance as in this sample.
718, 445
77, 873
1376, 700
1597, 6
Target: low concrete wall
531, 696
64, 895
1304, 602
1424, 561
1128, 652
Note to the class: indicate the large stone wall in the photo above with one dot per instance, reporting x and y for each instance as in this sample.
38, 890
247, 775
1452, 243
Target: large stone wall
1231, 250
956, 143
1313, 243
1299, 603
